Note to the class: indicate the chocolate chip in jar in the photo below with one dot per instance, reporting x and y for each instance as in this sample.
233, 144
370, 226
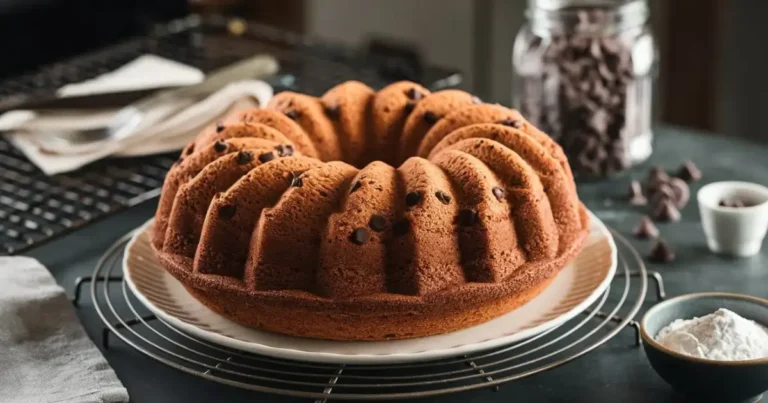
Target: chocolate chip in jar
578, 79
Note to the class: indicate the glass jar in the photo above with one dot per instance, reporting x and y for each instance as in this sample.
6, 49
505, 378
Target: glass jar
583, 71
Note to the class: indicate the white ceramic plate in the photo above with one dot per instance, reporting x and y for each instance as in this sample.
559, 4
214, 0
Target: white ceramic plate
575, 288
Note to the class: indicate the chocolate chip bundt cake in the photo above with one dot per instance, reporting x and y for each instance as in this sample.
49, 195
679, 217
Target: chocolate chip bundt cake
367, 215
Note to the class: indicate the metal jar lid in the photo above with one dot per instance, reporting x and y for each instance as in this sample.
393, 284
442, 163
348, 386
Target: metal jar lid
553, 5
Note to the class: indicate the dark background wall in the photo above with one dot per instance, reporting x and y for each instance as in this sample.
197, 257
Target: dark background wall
713, 52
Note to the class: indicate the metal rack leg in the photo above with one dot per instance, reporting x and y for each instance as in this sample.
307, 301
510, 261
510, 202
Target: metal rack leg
661, 293
82, 280
480, 371
130, 322
619, 319
332, 381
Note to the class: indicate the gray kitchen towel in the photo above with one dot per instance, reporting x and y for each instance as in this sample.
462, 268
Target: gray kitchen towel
45, 355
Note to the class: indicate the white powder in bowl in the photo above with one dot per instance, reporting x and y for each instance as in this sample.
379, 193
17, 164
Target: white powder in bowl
722, 335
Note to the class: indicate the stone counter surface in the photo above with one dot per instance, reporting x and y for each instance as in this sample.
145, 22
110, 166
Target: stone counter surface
615, 372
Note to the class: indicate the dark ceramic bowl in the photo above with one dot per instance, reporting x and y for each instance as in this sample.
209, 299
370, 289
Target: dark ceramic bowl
706, 380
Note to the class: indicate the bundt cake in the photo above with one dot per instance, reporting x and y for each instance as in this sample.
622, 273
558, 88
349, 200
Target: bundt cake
364, 215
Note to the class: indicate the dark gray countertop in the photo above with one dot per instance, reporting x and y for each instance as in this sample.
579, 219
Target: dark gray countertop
614, 372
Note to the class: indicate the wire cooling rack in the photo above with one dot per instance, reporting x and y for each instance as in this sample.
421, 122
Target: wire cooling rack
125, 318
35, 208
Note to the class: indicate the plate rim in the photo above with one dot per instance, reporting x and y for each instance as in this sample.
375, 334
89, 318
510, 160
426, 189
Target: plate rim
369, 359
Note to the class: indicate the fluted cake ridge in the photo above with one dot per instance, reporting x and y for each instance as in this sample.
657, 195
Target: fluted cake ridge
369, 215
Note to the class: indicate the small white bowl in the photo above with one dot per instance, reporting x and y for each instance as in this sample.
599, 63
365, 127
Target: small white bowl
737, 231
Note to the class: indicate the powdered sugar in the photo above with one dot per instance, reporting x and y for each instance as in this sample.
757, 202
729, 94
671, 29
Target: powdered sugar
722, 335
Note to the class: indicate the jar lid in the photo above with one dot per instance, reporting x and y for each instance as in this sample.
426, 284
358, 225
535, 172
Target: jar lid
552, 5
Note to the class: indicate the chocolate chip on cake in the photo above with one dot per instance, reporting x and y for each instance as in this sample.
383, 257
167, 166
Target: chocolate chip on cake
333, 111
636, 196
220, 146
266, 157
414, 94
285, 150
666, 212
499, 193
244, 157
467, 217
443, 197
412, 198
219, 127
401, 227
645, 229
359, 236
516, 123
293, 114
296, 181
377, 223
689, 172
356, 186
409, 107
661, 252
431, 117
227, 211
190, 149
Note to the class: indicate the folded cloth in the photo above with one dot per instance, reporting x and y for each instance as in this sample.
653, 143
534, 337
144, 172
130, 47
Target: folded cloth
163, 131
45, 355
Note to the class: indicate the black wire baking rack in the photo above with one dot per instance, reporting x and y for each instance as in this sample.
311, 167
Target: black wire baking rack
35, 208
124, 317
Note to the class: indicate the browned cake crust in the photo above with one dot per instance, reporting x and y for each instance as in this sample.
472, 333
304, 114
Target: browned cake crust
261, 223
374, 317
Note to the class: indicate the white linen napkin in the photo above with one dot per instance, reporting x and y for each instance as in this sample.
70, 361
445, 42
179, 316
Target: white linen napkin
45, 355
168, 127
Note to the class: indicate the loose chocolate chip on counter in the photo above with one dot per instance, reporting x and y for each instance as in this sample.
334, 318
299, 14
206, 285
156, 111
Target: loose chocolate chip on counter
227, 211
732, 203
689, 172
636, 196
360, 236
219, 127
377, 223
414, 94
681, 190
656, 177
645, 229
412, 198
266, 157
293, 114
499, 193
244, 157
431, 117
401, 227
661, 252
355, 186
662, 193
467, 217
443, 197
666, 212
333, 111
409, 107
285, 150
220, 146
